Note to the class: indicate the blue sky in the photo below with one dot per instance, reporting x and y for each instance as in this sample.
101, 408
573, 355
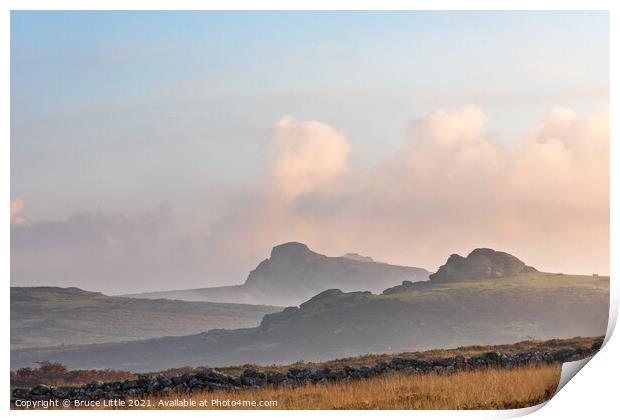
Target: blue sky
122, 111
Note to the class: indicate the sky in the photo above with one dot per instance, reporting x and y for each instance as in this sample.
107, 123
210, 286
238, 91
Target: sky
166, 150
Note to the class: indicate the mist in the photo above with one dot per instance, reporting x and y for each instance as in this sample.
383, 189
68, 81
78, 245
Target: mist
452, 185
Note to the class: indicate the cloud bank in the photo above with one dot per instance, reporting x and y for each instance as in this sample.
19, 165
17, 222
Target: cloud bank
451, 187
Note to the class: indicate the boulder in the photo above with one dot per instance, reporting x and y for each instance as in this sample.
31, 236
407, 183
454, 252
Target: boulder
63, 392
252, 377
493, 357
214, 376
20, 393
275, 377
564, 355
298, 374
316, 375
597, 344
41, 390
335, 375
164, 381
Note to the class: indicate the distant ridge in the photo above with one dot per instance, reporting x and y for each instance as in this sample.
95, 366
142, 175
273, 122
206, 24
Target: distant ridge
334, 324
293, 273
52, 316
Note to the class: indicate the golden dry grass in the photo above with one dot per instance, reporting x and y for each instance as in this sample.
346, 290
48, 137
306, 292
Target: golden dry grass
482, 389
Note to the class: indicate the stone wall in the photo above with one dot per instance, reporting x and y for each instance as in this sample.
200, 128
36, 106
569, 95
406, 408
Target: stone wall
211, 379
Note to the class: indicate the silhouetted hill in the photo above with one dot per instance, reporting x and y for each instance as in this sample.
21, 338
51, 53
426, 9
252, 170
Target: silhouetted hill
293, 273
335, 324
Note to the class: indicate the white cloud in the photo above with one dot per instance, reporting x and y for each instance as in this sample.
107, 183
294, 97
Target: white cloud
453, 187
310, 156
456, 128
450, 188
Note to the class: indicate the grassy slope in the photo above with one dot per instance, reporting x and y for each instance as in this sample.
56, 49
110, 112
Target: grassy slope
569, 285
336, 325
49, 316
490, 311
526, 293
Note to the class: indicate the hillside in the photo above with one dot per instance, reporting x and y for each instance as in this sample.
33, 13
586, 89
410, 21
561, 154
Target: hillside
52, 316
334, 324
293, 273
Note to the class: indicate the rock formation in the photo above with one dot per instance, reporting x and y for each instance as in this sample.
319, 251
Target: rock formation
294, 273
481, 263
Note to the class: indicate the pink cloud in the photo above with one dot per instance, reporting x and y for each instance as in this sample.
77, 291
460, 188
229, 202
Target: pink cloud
451, 187
309, 156
17, 205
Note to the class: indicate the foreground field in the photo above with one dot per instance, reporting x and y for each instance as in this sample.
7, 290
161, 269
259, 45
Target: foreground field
477, 377
55, 374
484, 389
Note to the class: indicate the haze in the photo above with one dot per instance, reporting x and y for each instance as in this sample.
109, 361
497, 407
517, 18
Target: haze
170, 150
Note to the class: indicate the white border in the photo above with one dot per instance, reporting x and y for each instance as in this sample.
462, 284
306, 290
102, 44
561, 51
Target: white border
309, 5
594, 394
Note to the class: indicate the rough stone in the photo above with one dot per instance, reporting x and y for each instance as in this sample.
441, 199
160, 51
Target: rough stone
209, 380
481, 263
275, 377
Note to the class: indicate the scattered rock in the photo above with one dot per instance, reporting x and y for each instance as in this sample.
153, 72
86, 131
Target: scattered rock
252, 377
212, 375
40, 390
275, 377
